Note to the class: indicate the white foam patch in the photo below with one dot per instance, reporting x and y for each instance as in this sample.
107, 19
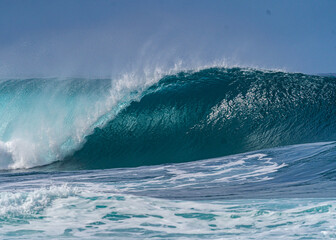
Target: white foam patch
18, 154
23, 204
92, 215
248, 168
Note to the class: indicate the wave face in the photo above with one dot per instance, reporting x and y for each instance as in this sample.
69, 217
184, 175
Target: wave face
183, 117
210, 113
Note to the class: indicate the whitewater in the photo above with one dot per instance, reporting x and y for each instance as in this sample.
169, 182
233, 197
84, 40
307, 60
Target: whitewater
209, 153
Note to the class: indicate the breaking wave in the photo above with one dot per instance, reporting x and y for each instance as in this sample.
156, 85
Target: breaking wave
191, 115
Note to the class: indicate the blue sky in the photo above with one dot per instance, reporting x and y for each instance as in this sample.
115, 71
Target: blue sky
99, 38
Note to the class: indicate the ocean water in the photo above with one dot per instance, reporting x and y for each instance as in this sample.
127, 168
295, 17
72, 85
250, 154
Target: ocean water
213, 153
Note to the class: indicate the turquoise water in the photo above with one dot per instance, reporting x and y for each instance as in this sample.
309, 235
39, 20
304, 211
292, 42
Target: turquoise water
210, 154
